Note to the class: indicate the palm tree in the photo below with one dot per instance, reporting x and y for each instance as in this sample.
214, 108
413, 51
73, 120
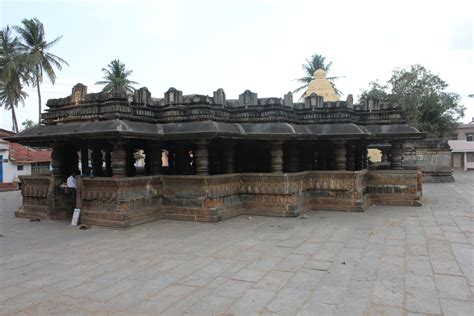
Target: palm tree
314, 63
11, 94
116, 78
34, 42
13, 73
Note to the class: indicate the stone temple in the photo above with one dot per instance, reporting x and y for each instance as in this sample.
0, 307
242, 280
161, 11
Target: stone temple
223, 157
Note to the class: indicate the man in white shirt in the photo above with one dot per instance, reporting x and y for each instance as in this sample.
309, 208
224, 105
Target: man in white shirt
71, 182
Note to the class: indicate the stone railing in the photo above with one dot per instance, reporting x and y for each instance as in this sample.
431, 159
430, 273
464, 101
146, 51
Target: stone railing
35, 191
123, 202
394, 187
120, 202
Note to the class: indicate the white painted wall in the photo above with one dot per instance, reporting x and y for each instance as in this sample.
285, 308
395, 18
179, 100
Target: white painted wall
10, 171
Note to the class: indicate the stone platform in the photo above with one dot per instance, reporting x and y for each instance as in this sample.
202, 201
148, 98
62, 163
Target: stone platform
124, 202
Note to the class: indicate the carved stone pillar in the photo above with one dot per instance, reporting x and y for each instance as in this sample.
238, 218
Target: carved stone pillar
277, 157
384, 155
307, 157
97, 161
201, 158
153, 159
56, 161
292, 157
340, 155
181, 158
396, 153
350, 164
229, 158
84, 159
358, 164
130, 161
322, 156
119, 160
365, 156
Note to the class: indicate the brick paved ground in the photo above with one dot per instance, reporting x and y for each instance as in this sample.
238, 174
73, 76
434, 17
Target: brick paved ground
386, 261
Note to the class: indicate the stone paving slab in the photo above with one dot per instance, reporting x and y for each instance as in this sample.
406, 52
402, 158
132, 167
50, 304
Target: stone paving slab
384, 261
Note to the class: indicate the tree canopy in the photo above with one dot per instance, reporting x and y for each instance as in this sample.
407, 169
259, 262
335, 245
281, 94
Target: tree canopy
116, 78
424, 99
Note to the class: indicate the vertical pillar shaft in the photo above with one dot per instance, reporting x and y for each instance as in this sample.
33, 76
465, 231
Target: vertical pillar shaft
277, 157
350, 164
153, 159
358, 164
56, 161
229, 159
180, 158
365, 157
119, 160
340, 155
97, 161
396, 153
384, 155
201, 158
292, 156
130, 161
322, 156
84, 159
308, 156
108, 162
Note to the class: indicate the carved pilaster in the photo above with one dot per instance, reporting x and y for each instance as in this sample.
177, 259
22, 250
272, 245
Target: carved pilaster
396, 153
277, 157
229, 158
119, 160
340, 155
201, 158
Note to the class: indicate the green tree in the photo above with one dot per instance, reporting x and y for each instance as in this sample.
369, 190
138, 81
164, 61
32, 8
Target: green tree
116, 78
13, 73
312, 64
28, 124
38, 58
424, 99
375, 91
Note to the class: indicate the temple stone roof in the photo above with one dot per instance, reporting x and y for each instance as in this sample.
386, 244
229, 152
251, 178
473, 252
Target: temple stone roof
178, 116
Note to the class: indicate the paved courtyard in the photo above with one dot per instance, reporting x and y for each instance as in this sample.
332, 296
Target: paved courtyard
385, 261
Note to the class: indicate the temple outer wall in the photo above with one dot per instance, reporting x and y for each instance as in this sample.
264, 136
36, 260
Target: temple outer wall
433, 155
125, 202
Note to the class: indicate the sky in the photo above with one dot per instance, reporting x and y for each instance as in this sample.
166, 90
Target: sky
200, 46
